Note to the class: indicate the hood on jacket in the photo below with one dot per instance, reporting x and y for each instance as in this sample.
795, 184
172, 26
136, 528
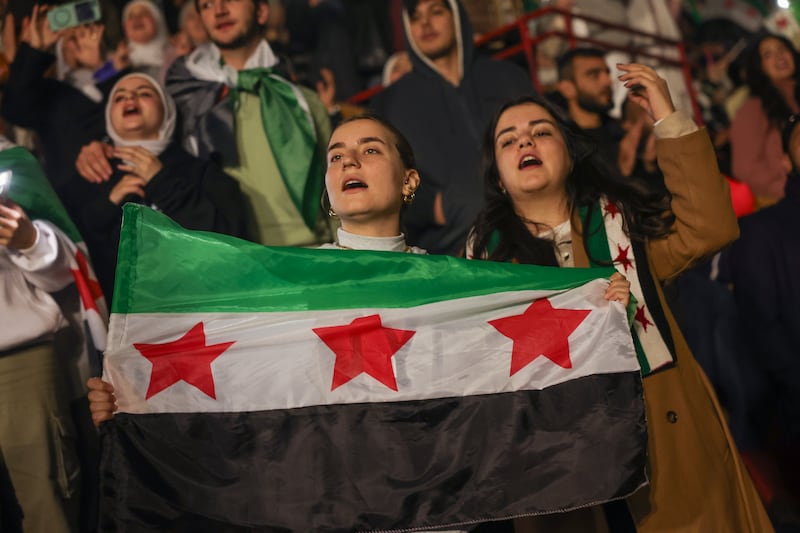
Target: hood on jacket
464, 42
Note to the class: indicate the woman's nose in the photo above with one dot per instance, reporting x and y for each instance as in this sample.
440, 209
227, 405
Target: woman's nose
526, 140
350, 161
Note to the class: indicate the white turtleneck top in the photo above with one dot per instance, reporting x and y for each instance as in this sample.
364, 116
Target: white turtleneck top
351, 241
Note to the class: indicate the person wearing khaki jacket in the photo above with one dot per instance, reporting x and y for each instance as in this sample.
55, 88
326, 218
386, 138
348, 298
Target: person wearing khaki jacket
697, 480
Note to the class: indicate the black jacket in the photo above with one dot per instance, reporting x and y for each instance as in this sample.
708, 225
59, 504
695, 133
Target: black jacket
445, 125
196, 194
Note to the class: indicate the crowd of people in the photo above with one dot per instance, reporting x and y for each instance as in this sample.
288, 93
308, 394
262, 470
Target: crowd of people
188, 108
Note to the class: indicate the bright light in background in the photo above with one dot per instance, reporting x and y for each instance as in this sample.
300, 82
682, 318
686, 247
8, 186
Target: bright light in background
5, 180
783, 4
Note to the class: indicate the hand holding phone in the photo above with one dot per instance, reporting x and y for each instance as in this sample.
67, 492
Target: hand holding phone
36, 32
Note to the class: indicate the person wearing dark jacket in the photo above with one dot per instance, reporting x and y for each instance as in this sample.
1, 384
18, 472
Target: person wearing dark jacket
150, 167
442, 106
765, 270
66, 112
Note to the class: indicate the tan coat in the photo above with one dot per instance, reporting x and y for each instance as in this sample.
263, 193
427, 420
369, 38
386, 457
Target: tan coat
697, 480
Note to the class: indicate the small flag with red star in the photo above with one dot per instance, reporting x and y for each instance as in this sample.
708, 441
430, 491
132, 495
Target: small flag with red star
355, 390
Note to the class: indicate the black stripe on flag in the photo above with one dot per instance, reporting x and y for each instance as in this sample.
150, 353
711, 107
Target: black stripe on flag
377, 466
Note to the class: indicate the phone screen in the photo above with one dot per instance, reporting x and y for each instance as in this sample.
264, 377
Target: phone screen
84, 11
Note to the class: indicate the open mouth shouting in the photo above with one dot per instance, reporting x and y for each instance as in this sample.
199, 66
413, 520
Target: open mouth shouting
529, 160
353, 183
131, 109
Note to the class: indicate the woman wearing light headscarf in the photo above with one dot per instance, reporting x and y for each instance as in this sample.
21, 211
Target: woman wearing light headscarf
147, 38
151, 167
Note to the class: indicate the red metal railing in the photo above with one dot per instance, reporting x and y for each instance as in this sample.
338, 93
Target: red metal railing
526, 45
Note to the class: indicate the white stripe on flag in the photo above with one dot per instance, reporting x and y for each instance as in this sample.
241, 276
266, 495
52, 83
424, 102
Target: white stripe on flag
278, 362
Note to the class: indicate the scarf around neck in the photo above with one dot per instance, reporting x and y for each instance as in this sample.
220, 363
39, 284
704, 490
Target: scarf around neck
285, 117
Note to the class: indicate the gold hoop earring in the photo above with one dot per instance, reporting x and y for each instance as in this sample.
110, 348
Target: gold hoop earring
408, 199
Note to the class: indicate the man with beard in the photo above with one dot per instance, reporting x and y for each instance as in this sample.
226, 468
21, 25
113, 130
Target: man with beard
585, 90
443, 107
266, 132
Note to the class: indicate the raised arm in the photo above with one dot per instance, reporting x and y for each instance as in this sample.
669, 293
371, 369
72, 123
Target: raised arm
701, 202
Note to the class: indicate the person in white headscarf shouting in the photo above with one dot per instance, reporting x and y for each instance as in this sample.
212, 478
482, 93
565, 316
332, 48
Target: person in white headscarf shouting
151, 168
147, 38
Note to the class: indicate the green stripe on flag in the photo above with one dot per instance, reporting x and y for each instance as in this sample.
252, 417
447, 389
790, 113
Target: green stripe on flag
163, 268
30, 189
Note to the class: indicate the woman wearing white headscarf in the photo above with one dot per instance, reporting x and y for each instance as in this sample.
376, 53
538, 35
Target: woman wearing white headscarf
151, 168
147, 38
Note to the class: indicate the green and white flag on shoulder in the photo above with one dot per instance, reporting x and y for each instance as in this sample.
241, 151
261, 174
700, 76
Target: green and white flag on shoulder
337, 389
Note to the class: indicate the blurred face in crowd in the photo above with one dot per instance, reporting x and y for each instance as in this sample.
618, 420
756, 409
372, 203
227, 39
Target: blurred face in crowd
433, 28
776, 60
233, 24
592, 84
139, 24
530, 152
69, 47
193, 26
366, 178
136, 109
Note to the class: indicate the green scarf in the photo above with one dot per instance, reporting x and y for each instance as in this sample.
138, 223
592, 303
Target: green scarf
291, 136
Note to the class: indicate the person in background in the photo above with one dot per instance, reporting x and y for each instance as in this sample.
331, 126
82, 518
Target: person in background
150, 167
37, 434
771, 72
441, 106
762, 265
147, 38
191, 32
585, 87
265, 132
65, 113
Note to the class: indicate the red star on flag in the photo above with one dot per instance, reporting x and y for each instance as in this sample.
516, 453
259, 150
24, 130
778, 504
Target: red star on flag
622, 257
88, 288
187, 359
781, 22
641, 317
540, 330
611, 209
364, 346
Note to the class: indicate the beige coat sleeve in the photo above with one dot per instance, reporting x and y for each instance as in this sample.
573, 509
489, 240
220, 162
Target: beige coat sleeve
701, 202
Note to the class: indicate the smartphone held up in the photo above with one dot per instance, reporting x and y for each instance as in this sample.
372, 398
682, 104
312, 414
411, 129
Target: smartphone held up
73, 14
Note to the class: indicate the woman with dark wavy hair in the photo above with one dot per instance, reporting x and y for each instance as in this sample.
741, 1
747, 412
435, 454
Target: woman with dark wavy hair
552, 201
771, 72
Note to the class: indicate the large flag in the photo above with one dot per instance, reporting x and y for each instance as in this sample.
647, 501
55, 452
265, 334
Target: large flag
30, 189
295, 389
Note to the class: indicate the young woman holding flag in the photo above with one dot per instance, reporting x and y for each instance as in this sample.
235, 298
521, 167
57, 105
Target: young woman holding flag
371, 175
552, 201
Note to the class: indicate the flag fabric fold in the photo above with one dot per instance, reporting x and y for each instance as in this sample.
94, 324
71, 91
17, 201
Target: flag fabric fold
292, 389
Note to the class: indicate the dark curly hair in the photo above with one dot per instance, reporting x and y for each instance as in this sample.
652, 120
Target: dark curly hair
646, 211
772, 101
